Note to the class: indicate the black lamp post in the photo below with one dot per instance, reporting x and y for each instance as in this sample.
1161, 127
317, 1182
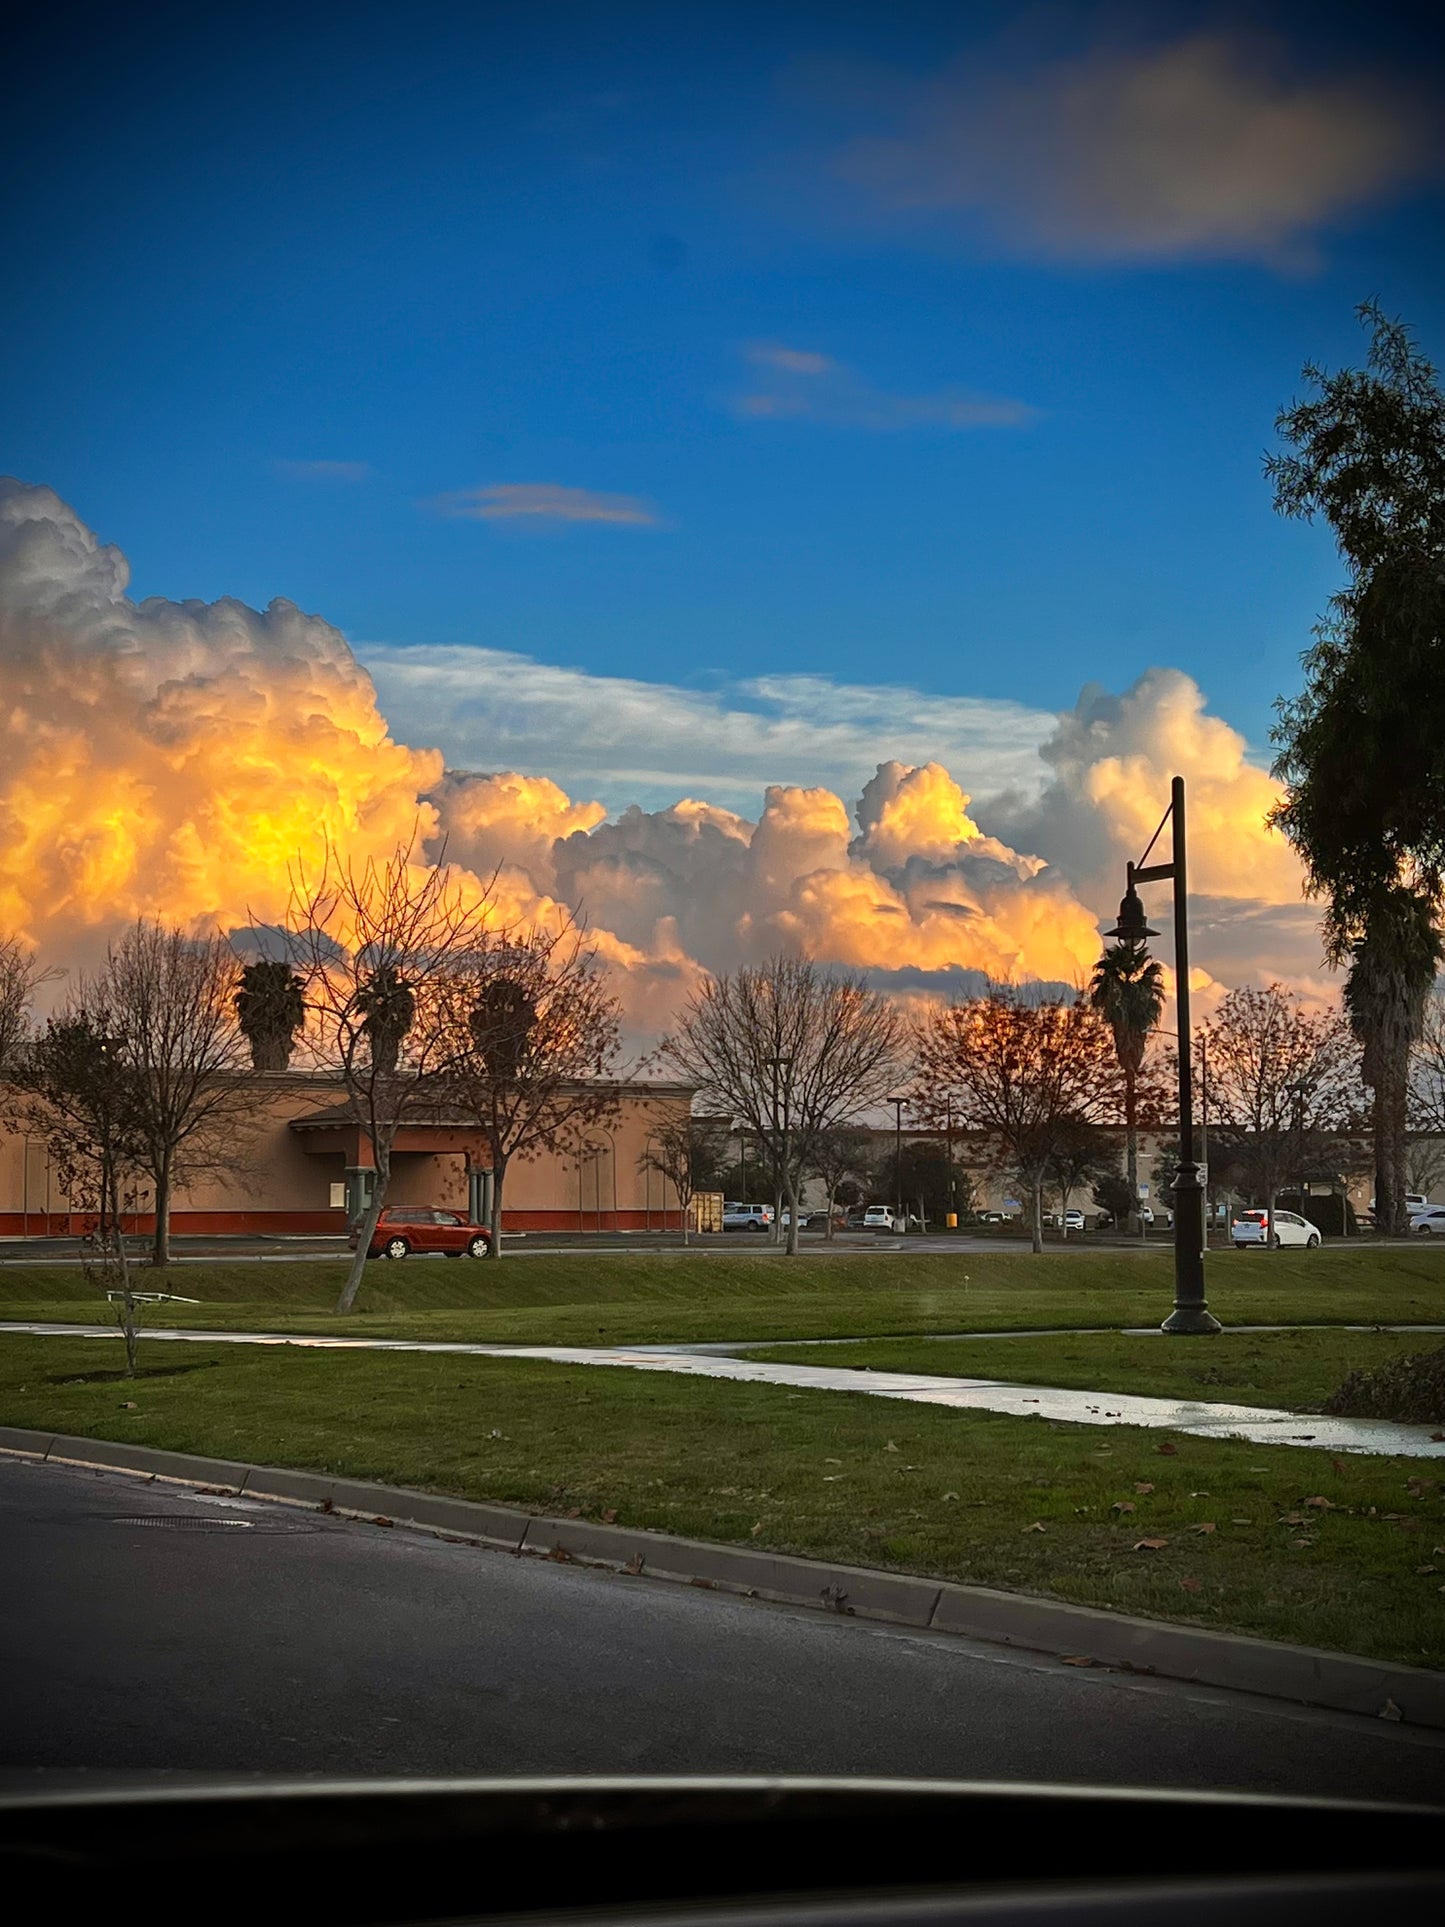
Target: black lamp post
1191, 1312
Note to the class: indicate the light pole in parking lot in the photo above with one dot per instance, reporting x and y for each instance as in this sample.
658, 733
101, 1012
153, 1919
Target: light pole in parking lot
1191, 1311
897, 1103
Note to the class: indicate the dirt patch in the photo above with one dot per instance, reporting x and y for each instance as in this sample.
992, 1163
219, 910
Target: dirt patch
119, 1378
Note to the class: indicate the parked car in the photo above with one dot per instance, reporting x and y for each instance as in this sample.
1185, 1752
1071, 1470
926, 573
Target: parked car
1414, 1201
878, 1217
747, 1217
1430, 1222
1073, 1221
404, 1228
1252, 1228
818, 1221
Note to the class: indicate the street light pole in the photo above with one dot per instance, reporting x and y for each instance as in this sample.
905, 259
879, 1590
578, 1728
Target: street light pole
1191, 1312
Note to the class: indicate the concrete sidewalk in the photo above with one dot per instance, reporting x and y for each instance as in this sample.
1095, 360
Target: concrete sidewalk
1259, 1424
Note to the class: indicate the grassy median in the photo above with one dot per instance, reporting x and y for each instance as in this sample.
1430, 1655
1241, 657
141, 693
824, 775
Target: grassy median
652, 1297
1282, 1541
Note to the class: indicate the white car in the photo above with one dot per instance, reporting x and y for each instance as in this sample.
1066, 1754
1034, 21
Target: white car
1252, 1228
1430, 1222
747, 1217
1073, 1221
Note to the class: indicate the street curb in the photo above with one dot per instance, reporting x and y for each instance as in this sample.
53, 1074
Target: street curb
1338, 1682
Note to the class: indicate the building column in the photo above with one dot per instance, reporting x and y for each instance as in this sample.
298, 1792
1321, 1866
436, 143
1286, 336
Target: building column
480, 1186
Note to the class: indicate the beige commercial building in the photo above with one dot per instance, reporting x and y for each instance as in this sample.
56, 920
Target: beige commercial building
302, 1165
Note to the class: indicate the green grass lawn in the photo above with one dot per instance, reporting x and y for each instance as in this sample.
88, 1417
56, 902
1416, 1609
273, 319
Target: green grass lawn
1282, 1541
611, 1298
1296, 1370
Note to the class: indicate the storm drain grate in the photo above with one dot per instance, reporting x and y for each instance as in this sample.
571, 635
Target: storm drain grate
178, 1523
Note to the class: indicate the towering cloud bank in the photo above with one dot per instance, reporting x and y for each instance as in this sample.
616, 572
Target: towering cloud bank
176, 759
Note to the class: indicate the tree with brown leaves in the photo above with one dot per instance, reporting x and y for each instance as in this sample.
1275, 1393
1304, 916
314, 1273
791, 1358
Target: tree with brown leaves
1024, 1075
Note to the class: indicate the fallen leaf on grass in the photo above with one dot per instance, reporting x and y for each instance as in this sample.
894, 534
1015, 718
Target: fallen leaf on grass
1291, 1519
609, 1517
129, 1405
1420, 1571
1037, 1526
1201, 1495
950, 1498
1123, 1505
831, 1478
1206, 1525
890, 1447
1150, 1545
832, 1461
1192, 1585
755, 1528
1167, 1450
1143, 1485
1321, 1503
1241, 1522
575, 1512
1301, 1545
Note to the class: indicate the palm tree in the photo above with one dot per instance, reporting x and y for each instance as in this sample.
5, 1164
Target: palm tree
1392, 972
388, 1004
1127, 988
270, 1008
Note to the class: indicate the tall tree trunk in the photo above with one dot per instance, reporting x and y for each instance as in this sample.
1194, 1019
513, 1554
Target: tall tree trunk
1131, 1155
828, 1228
161, 1238
494, 1216
791, 1186
1391, 1109
1066, 1191
1037, 1201
380, 1180
129, 1310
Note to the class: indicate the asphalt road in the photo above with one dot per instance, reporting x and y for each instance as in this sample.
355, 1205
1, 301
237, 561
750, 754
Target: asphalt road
294, 1643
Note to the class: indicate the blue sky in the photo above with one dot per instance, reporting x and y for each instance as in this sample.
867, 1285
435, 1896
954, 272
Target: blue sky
707, 346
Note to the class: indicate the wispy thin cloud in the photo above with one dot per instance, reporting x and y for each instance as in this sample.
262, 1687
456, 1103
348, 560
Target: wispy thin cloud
798, 384
544, 502
1206, 147
326, 471
633, 741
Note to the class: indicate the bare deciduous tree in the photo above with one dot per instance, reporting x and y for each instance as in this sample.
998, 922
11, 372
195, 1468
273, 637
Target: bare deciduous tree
689, 1153
845, 1151
21, 975
173, 999
77, 1093
377, 946
1281, 1079
532, 1032
793, 1049
1025, 1075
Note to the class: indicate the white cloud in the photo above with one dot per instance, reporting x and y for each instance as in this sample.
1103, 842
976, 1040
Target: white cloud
1203, 147
326, 471
630, 741
543, 502
796, 384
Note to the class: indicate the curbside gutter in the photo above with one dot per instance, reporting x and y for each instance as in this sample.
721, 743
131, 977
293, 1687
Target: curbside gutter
1339, 1682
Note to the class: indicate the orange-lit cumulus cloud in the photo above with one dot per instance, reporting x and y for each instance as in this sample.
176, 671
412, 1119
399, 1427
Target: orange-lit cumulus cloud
176, 759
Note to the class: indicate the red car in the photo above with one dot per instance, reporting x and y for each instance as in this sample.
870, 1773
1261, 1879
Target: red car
404, 1228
